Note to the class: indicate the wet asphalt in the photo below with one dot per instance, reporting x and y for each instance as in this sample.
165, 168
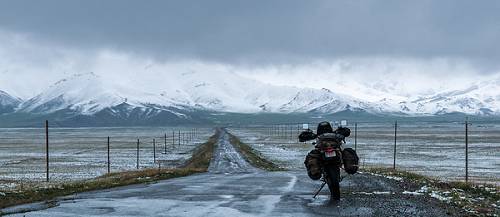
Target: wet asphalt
232, 187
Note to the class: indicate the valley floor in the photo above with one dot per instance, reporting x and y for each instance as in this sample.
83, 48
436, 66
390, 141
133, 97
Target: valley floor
232, 187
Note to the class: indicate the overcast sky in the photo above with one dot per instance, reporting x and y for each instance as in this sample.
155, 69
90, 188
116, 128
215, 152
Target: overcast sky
49, 36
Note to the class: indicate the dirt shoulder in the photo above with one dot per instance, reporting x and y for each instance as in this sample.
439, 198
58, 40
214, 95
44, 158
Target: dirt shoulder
474, 200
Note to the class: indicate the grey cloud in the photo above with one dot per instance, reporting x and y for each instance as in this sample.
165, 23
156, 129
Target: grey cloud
238, 31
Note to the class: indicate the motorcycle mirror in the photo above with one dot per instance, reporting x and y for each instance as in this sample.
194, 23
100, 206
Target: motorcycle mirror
305, 126
343, 123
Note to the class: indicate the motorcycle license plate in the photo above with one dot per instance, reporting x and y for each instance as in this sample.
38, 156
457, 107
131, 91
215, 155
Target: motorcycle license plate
330, 154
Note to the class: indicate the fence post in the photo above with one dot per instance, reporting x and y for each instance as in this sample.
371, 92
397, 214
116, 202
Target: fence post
355, 136
154, 151
179, 137
286, 131
466, 150
395, 142
165, 143
47, 149
298, 132
137, 153
109, 163
173, 140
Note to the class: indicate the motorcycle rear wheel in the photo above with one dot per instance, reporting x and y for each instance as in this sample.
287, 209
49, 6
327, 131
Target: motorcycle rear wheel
333, 180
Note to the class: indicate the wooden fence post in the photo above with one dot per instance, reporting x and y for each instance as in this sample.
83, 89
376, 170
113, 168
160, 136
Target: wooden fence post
109, 162
395, 142
137, 154
47, 149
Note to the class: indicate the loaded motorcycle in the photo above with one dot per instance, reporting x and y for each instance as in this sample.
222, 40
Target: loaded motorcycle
329, 157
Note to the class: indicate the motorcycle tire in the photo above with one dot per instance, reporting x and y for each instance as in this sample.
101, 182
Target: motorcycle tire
333, 181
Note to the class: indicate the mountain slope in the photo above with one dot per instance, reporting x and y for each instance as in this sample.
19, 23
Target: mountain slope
8, 103
88, 94
481, 98
195, 96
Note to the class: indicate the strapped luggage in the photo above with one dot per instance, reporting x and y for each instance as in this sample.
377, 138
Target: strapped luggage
351, 160
313, 166
344, 131
307, 135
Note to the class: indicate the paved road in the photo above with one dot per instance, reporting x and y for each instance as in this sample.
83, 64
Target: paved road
227, 160
235, 188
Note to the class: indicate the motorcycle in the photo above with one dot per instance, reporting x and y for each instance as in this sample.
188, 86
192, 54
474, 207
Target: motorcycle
331, 158
330, 149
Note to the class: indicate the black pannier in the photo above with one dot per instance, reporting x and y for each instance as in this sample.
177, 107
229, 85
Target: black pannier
344, 131
307, 135
313, 165
351, 160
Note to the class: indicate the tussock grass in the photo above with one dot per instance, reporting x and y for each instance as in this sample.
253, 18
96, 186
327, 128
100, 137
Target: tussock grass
203, 154
408, 176
477, 200
199, 162
253, 156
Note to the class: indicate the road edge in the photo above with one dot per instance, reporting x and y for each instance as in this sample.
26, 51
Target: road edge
457, 194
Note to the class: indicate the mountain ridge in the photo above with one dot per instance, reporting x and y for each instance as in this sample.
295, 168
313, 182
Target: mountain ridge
87, 96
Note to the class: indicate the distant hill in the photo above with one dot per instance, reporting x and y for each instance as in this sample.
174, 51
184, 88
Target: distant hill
196, 98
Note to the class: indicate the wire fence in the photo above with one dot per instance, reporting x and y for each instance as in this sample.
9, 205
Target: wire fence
450, 151
82, 153
436, 149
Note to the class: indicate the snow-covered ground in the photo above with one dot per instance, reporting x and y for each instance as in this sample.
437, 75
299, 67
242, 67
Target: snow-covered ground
434, 149
81, 153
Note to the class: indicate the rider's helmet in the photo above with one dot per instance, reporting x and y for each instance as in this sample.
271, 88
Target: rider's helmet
324, 127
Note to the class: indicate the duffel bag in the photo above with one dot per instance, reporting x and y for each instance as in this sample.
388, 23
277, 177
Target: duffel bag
312, 164
351, 160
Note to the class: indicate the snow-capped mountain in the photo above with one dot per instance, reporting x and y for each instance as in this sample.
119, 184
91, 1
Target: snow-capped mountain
8, 103
481, 98
181, 96
88, 94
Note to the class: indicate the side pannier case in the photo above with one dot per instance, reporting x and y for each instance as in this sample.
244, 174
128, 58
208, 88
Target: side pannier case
312, 164
351, 160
